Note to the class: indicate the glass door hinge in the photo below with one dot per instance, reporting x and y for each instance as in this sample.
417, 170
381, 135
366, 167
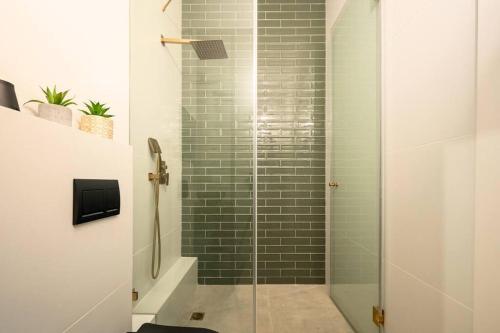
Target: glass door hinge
378, 316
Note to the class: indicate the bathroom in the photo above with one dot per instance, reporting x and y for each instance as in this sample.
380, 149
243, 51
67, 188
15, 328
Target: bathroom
275, 165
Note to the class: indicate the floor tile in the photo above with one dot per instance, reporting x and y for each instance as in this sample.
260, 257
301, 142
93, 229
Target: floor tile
281, 309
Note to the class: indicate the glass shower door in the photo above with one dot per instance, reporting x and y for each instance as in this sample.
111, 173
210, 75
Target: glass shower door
200, 107
355, 164
218, 199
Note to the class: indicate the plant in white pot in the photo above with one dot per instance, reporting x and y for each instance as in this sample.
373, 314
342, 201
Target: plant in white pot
55, 108
96, 120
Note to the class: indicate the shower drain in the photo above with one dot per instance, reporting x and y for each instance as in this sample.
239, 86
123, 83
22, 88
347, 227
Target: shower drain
197, 315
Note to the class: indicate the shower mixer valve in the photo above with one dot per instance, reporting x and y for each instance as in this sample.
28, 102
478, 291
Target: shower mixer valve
163, 176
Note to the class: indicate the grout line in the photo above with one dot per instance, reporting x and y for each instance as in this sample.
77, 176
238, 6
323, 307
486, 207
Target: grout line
427, 144
363, 247
151, 244
95, 306
476, 123
430, 286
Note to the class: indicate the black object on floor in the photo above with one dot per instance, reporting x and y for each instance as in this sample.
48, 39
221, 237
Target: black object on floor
151, 328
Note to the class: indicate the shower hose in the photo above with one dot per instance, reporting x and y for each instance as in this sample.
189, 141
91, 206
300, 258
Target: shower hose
155, 269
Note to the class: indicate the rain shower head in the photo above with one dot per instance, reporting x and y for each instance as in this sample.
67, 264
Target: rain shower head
205, 49
209, 49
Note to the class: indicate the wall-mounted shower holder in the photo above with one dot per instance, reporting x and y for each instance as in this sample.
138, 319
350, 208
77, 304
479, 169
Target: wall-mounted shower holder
163, 176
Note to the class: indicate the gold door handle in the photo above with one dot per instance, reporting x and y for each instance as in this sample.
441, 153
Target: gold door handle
333, 184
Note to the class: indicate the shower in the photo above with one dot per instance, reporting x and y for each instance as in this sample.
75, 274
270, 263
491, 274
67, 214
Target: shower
205, 49
159, 177
249, 144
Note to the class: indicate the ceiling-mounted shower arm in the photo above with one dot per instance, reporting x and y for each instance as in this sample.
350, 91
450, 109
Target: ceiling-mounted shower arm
166, 5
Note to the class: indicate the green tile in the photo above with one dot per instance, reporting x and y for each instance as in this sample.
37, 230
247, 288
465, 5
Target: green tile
217, 144
310, 280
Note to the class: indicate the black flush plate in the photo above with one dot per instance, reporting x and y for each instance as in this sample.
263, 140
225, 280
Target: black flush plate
95, 199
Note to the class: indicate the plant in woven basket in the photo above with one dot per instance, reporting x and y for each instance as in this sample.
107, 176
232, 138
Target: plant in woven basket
96, 120
96, 109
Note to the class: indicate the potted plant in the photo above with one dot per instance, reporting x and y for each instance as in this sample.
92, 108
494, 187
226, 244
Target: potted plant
96, 120
56, 106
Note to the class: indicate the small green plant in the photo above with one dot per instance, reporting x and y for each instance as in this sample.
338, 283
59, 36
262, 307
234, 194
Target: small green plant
96, 109
54, 97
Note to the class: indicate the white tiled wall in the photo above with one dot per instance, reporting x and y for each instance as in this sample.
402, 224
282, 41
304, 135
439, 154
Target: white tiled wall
487, 251
429, 121
56, 277
155, 111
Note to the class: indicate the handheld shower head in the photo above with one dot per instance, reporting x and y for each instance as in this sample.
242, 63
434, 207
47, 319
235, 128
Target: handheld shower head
154, 146
161, 167
159, 177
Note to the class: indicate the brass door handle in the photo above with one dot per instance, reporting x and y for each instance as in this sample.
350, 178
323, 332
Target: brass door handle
333, 184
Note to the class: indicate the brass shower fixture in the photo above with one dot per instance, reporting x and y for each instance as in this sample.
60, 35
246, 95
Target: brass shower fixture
166, 5
181, 41
205, 49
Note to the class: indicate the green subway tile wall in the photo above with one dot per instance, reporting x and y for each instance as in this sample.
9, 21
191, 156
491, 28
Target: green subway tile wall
291, 144
217, 145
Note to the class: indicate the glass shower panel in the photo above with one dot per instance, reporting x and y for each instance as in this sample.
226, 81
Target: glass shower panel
291, 169
217, 157
355, 164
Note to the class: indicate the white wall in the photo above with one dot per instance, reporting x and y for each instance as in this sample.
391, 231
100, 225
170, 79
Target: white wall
429, 119
56, 277
155, 97
78, 45
487, 270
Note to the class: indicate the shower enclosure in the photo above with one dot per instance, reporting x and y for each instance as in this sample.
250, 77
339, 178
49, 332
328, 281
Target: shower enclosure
245, 142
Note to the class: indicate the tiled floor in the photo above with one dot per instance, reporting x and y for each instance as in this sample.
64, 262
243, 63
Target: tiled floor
281, 309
